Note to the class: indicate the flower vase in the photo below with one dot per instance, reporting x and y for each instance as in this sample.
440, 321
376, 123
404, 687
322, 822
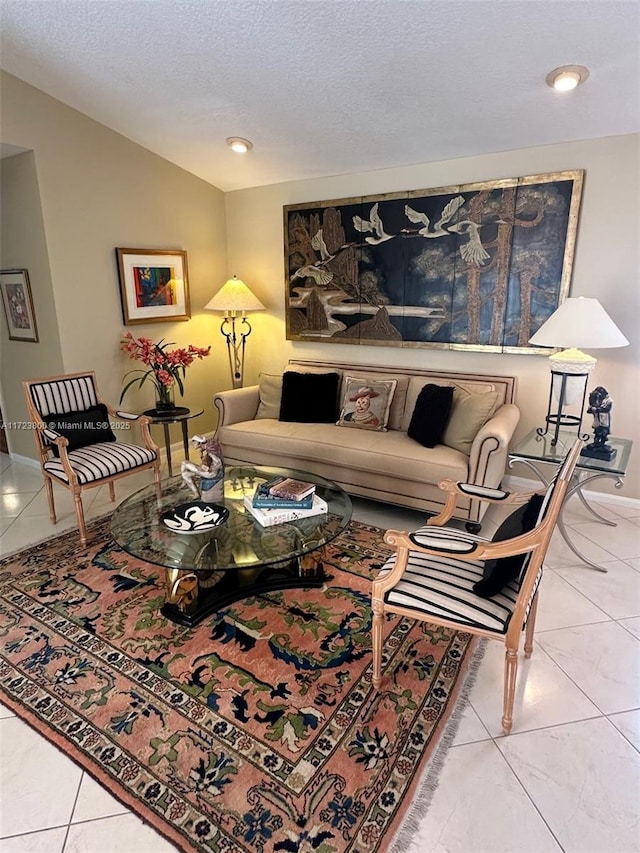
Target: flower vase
165, 399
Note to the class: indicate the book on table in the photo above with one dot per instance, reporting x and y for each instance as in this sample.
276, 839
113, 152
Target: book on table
269, 517
263, 499
292, 489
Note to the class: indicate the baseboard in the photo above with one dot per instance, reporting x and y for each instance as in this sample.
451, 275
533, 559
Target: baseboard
522, 484
25, 460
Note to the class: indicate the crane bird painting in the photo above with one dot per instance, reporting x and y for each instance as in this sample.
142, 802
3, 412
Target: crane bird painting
319, 275
476, 266
448, 212
473, 252
373, 225
317, 242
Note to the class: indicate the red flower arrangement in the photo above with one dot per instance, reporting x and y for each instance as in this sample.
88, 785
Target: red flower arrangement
166, 367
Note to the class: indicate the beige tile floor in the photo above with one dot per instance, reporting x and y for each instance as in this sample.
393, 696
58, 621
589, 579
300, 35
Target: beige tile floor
567, 779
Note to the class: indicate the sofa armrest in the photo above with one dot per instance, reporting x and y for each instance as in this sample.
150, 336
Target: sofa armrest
236, 405
490, 448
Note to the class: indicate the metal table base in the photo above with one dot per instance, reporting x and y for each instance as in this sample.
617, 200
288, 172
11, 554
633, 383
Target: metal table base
578, 481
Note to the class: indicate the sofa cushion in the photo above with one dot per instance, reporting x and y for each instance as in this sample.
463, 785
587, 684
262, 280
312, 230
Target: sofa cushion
388, 454
399, 395
309, 397
396, 412
366, 402
468, 413
417, 383
431, 414
270, 391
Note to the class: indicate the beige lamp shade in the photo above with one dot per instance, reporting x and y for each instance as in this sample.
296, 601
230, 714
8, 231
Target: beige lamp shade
233, 298
579, 322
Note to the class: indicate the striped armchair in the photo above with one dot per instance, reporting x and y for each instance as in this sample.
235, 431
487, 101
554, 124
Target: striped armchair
432, 576
76, 444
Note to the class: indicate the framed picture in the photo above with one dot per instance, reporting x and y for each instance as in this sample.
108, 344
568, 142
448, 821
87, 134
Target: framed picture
470, 267
154, 285
18, 305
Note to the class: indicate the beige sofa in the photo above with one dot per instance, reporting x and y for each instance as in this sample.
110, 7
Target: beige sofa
386, 466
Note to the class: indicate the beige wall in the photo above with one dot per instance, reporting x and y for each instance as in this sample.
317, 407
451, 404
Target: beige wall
98, 191
23, 245
607, 265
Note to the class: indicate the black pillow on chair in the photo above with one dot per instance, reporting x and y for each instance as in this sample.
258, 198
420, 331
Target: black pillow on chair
498, 573
430, 414
309, 398
82, 428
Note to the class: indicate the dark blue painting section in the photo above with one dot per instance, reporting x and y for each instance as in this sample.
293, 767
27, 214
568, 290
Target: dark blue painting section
480, 265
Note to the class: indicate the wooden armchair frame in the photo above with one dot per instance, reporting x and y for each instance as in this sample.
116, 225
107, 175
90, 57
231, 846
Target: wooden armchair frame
47, 438
464, 546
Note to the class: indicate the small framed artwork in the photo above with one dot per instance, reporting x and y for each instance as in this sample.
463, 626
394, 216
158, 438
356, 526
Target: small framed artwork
18, 305
154, 285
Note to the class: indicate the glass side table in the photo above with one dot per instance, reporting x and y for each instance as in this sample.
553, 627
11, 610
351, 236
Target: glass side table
535, 450
179, 415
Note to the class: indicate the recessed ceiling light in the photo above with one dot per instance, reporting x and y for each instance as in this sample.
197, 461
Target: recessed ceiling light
567, 77
239, 145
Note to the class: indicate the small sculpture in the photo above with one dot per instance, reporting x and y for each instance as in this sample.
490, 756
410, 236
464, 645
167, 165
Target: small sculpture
600, 405
205, 480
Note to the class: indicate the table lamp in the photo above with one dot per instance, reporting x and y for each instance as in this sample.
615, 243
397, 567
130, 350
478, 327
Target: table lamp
233, 300
577, 322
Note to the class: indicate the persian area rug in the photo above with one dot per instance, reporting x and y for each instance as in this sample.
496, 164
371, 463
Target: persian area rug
259, 729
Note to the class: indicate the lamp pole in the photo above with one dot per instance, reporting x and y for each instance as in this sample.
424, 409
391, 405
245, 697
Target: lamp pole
236, 341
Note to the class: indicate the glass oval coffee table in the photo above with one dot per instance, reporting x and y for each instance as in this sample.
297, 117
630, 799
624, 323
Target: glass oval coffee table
205, 571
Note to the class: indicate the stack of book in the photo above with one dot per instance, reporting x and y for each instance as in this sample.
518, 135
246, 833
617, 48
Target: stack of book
284, 499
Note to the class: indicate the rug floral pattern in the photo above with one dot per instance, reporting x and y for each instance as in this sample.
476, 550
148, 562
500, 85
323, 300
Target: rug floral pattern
258, 730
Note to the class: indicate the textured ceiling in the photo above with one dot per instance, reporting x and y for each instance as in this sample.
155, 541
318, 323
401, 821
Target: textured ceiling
326, 87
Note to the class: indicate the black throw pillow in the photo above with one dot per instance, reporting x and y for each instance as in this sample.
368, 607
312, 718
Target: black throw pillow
309, 398
431, 414
498, 573
82, 428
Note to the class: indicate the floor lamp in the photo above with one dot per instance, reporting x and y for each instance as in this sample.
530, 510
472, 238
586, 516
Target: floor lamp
234, 300
577, 322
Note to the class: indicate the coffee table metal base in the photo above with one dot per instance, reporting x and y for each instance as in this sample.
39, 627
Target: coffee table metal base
191, 596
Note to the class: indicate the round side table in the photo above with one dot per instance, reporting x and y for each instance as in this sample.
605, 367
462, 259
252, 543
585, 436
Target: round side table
180, 415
